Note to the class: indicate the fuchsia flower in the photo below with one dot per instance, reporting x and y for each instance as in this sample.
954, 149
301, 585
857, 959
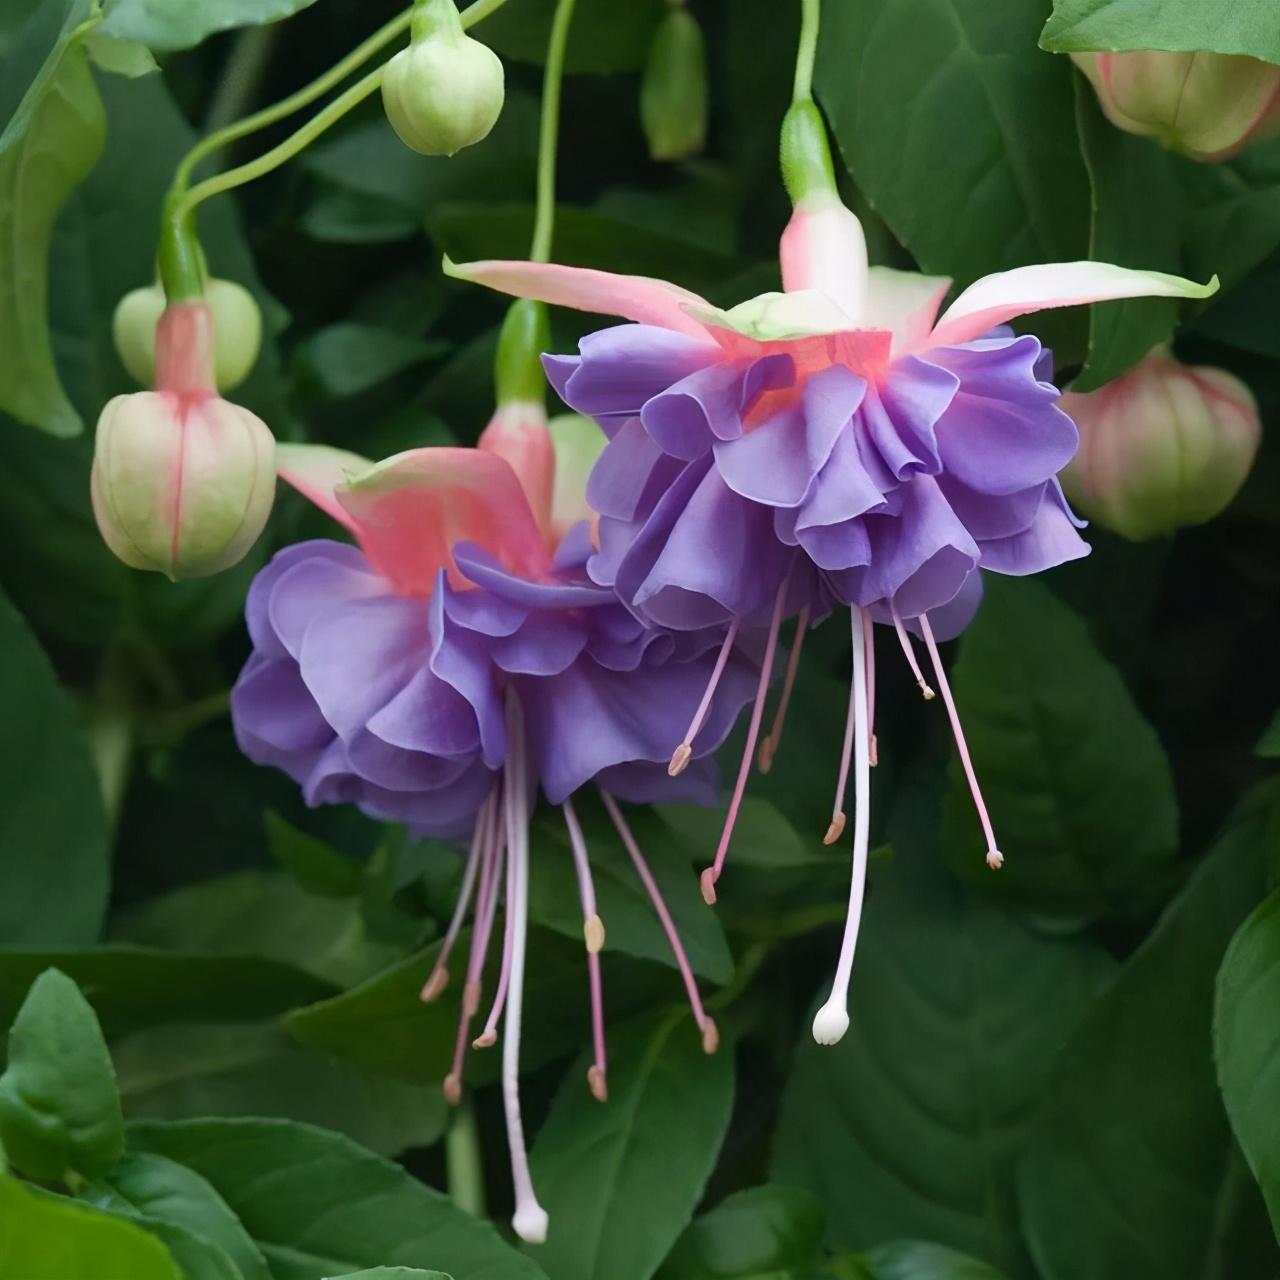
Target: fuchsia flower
456, 661
839, 443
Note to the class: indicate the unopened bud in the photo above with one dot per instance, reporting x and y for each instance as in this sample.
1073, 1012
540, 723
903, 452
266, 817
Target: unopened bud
183, 481
673, 93
1206, 105
237, 331
445, 91
1162, 446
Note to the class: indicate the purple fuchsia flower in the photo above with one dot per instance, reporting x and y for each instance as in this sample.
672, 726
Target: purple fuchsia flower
454, 662
836, 444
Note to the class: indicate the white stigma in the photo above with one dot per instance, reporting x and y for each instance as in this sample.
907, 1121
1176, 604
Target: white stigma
530, 1223
830, 1023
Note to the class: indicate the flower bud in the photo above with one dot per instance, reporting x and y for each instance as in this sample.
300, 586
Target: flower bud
1206, 105
1162, 446
183, 481
237, 331
673, 93
444, 92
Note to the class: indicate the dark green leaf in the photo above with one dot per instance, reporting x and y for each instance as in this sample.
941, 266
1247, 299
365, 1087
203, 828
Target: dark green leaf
131, 987
621, 1180
44, 1237
1127, 1173
248, 1068
52, 141
393, 1273
59, 1109
318, 867
1269, 743
55, 871
894, 1144
198, 1258
763, 837
605, 37
1078, 785
318, 1205
157, 1187
178, 24
1220, 26
1246, 1036
346, 359
765, 1231
912, 1260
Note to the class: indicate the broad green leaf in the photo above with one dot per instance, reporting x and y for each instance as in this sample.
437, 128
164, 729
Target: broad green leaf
1219, 26
120, 57
893, 1143
318, 1205
762, 838
1246, 1037
1269, 743
52, 141
631, 924
1129, 1169
1135, 224
131, 987
959, 134
382, 1025
197, 1256
393, 1273
59, 1109
347, 358
157, 1187
44, 1237
1078, 786
772, 1230
915, 1260
318, 867
605, 37
178, 24
249, 1068
55, 870
621, 1180
261, 914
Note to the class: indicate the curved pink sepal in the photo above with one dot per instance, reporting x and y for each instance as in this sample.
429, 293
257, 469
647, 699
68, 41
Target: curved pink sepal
906, 303
999, 298
410, 510
316, 470
638, 298
517, 433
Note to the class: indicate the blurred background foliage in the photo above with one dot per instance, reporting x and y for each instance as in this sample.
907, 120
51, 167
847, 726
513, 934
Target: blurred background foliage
1068, 1070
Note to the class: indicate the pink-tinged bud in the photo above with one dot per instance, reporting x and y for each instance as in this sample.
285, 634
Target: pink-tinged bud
518, 433
183, 481
1206, 105
1162, 446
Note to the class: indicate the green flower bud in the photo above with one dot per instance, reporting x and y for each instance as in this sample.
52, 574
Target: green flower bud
445, 91
673, 93
237, 331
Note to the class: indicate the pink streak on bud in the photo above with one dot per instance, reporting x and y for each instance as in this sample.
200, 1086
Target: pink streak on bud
518, 433
823, 248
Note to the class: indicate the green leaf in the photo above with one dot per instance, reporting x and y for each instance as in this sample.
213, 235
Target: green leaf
131, 987
1269, 744
346, 358
249, 1068
1128, 1172
892, 1144
59, 1109
1078, 786
653, 1145
44, 1237
179, 24
1246, 1037
605, 37
54, 875
772, 1230
962, 138
318, 867
1219, 26
914, 1260
762, 838
160, 1188
198, 1258
120, 57
392, 1273
318, 1205
1135, 224
52, 141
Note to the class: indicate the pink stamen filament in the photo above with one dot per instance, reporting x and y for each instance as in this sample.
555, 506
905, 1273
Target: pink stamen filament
593, 933
681, 756
438, 979
832, 1020
995, 859
530, 1218
710, 1036
712, 873
773, 739
869, 638
910, 654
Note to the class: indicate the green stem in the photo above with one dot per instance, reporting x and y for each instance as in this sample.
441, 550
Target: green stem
110, 731
810, 11
549, 129
462, 1161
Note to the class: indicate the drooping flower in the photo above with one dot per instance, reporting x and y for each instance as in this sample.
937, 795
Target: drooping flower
455, 662
1162, 446
183, 481
836, 444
